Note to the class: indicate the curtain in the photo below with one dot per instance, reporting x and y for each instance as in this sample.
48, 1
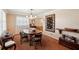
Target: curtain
22, 22
2, 21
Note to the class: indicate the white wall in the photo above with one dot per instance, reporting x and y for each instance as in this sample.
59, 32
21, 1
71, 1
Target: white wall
64, 18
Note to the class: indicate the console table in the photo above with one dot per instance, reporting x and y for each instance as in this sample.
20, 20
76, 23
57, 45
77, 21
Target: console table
68, 29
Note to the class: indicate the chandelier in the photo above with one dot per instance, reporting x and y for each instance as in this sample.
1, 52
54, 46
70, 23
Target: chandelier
32, 17
31, 14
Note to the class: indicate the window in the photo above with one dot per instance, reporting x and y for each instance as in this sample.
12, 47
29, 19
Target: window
22, 22
2, 21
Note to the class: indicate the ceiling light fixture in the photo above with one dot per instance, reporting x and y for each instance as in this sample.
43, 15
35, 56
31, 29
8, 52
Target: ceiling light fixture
31, 14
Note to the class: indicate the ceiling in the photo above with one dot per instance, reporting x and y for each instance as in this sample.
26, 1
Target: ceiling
28, 11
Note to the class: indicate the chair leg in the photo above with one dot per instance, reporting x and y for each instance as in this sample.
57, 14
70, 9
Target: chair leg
14, 46
35, 45
40, 43
4, 48
31, 43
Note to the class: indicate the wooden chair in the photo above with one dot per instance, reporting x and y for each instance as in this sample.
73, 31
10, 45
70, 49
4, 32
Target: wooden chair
37, 40
8, 42
23, 36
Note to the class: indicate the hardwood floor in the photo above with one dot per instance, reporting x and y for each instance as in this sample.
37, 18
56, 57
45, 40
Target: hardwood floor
48, 43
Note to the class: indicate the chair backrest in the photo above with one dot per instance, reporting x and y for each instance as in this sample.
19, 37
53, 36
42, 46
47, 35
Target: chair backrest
38, 35
32, 36
22, 34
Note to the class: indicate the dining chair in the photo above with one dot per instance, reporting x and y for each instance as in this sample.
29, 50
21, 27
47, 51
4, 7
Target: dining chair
36, 40
23, 36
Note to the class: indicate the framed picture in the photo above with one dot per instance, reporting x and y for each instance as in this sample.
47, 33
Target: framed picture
50, 23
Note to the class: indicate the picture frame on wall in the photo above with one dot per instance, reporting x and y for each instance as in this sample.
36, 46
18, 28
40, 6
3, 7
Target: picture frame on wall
50, 23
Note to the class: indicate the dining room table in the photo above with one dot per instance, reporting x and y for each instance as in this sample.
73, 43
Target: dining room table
31, 33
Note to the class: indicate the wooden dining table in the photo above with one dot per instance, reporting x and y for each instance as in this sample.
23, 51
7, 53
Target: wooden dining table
31, 34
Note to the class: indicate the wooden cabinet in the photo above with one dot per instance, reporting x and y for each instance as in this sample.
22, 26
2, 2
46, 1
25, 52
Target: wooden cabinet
69, 42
